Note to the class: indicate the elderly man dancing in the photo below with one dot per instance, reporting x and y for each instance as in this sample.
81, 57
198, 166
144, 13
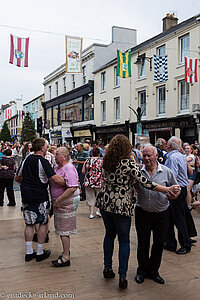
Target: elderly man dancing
151, 215
33, 176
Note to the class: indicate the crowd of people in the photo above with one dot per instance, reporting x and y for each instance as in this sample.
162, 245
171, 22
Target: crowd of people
161, 181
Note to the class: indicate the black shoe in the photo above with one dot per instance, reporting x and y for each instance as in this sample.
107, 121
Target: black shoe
43, 256
35, 239
108, 273
139, 278
62, 263
193, 241
169, 248
11, 204
29, 257
158, 279
183, 250
123, 283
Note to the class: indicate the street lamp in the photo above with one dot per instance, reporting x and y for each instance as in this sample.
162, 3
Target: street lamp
141, 58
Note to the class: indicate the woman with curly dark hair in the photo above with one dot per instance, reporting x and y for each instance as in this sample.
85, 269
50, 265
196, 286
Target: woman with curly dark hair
120, 173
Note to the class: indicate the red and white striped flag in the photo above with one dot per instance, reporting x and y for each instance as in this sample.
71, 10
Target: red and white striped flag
190, 70
19, 51
19, 114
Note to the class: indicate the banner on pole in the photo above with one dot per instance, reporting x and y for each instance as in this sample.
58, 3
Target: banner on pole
73, 55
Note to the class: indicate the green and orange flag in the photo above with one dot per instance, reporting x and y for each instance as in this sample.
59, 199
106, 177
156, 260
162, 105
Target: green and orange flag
124, 64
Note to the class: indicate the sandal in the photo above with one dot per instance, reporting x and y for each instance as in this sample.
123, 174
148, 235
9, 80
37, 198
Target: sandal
56, 263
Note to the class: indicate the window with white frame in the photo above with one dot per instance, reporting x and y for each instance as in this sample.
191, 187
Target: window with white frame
103, 111
117, 109
50, 92
161, 51
32, 107
56, 88
184, 95
36, 105
103, 81
73, 81
142, 68
142, 102
64, 85
161, 100
184, 45
84, 75
116, 78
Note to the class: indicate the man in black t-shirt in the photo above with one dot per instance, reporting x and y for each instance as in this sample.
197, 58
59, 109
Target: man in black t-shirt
33, 176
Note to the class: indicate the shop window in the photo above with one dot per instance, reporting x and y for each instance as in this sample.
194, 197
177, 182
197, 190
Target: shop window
103, 111
103, 81
161, 51
142, 68
142, 102
161, 100
184, 44
117, 109
88, 115
184, 95
116, 78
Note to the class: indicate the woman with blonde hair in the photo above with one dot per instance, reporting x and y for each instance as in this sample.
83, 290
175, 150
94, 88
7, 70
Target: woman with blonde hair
52, 150
65, 202
120, 173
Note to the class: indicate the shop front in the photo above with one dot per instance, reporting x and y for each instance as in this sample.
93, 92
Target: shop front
183, 127
81, 134
106, 133
56, 137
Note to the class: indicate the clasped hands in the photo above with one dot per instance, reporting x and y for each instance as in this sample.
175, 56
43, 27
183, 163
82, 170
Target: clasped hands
5, 167
173, 191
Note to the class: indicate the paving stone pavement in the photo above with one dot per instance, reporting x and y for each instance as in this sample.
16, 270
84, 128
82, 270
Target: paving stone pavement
83, 279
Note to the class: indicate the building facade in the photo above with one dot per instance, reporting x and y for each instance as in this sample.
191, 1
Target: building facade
12, 113
170, 107
69, 98
36, 111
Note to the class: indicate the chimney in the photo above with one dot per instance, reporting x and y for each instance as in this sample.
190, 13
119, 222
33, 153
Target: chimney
169, 21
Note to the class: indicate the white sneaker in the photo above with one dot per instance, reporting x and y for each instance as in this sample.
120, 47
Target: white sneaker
92, 216
98, 214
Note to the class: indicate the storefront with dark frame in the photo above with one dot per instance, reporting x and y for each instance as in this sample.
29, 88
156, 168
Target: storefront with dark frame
106, 133
166, 128
80, 93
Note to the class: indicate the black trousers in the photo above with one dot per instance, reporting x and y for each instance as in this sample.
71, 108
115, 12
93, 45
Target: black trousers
8, 184
145, 222
81, 179
177, 216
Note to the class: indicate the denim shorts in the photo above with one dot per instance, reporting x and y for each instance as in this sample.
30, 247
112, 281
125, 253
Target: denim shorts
193, 176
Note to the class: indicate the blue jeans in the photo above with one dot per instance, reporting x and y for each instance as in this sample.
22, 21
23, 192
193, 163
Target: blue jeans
116, 224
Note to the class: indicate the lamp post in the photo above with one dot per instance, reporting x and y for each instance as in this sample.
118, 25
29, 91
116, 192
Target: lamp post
138, 114
141, 58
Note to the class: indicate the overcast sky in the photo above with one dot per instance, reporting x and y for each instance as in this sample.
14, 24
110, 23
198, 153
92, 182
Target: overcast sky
90, 19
